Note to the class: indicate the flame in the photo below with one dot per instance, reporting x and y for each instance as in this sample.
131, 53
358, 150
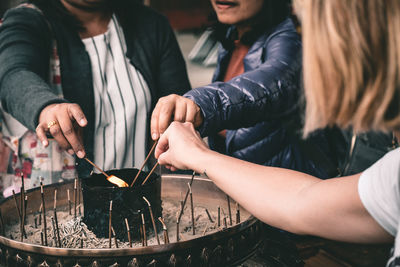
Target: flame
117, 181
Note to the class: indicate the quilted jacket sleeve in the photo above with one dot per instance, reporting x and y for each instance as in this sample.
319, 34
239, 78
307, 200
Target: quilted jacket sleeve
268, 92
25, 41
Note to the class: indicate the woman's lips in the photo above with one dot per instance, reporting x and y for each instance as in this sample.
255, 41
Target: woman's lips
222, 5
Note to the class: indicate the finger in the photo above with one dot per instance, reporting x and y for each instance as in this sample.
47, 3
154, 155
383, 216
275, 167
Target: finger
154, 122
165, 116
57, 134
162, 146
71, 135
180, 110
41, 134
77, 114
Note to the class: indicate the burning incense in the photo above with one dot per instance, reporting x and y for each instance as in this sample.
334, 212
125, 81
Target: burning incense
209, 216
97, 167
144, 163
150, 173
165, 231
219, 216
75, 195
115, 237
128, 232
56, 219
237, 213
109, 225
144, 230
69, 203
152, 220
229, 209
191, 208
44, 214
111, 178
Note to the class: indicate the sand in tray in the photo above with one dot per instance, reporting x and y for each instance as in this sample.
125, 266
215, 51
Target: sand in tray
73, 230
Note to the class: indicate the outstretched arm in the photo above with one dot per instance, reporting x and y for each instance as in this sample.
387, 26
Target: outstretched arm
287, 199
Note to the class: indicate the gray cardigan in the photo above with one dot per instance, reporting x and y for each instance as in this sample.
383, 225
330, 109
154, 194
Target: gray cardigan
25, 43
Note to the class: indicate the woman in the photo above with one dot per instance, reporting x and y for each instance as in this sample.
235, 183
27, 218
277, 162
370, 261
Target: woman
260, 58
116, 59
352, 77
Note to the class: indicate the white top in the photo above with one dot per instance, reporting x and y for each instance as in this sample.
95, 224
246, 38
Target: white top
379, 190
122, 102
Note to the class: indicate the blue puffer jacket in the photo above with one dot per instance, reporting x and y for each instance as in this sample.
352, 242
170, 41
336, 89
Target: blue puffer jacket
265, 97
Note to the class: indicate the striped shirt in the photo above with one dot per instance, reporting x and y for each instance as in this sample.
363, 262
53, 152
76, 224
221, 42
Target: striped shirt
122, 101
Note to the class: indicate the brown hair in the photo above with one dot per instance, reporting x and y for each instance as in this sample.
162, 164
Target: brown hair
351, 63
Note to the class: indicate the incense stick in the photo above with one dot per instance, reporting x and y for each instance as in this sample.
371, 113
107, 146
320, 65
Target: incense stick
128, 232
150, 173
97, 167
69, 203
56, 219
237, 213
75, 195
186, 197
3, 230
152, 220
191, 208
54, 231
109, 225
229, 209
144, 230
177, 228
144, 163
205, 229
44, 214
219, 216
22, 194
115, 237
79, 196
209, 216
18, 212
165, 231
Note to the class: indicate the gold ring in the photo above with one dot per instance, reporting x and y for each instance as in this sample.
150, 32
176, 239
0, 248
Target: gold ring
51, 123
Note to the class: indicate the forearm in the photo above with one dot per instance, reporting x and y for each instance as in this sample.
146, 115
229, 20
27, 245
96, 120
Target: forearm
293, 201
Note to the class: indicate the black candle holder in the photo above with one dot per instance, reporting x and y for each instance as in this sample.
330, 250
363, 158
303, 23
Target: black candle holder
127, 202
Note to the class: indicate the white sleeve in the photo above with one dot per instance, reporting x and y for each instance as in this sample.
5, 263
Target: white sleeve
379, 191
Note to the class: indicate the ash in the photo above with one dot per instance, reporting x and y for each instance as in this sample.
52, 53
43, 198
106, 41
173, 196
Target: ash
74, 232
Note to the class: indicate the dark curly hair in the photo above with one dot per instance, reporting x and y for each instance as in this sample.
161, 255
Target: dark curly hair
272, 13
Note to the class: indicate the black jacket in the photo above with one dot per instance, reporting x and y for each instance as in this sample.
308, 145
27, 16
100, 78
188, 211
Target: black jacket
25, 43
266, 98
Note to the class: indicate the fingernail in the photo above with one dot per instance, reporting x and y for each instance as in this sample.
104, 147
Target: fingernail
154, 136
44, 143
83, 121
80, 154
70, 151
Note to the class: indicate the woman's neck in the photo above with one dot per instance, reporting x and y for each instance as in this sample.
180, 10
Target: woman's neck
94, 22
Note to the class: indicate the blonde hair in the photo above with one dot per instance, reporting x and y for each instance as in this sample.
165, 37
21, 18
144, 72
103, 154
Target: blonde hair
351, 63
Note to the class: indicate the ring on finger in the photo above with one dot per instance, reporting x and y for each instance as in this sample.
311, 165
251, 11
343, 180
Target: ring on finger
51, 123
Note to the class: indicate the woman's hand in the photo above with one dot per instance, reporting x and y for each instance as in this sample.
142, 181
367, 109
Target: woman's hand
64, 122
174, 108
179, 147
